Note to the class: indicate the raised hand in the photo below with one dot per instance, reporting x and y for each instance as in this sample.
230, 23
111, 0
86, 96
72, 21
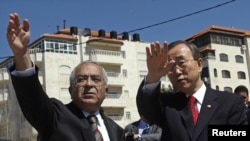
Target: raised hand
157, 59
18, 37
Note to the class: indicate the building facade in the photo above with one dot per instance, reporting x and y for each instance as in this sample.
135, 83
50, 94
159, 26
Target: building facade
225, 53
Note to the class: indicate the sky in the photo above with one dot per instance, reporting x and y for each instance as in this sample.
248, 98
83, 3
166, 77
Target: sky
159, 20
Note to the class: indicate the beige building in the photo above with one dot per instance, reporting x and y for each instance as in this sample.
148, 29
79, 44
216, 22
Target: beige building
225, 52
226, 57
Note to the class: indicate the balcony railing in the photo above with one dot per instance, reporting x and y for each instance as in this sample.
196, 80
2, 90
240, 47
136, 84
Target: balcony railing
3, 94
115, 100
115, 117
107, 56
4, 76
115, 78
113, 96
36, 54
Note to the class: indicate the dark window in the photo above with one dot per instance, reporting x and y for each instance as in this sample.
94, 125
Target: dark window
215, 73
223, 57
229, 89
225, 74
239, 59
241, 75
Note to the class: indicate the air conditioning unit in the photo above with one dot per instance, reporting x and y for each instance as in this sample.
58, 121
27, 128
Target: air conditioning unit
243, 47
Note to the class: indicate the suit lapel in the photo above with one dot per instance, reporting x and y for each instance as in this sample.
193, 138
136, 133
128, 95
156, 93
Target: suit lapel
208, 107
110, 128
187, 117
88, 135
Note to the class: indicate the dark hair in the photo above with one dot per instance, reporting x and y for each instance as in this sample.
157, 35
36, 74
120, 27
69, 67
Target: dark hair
193, 48
240, 88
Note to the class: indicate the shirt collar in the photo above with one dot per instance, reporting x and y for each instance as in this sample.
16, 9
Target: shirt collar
199, 95
86, 114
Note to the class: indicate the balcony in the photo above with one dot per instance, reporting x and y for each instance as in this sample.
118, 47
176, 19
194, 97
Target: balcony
115, 79
107, 56
115, 117
36, 55
3, 95
4, 76
115, 100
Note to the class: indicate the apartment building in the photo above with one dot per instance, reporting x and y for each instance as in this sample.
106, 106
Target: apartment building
224, 50
225, 53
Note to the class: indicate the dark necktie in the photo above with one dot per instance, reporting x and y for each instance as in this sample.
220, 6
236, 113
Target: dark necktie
195, 113
93, 123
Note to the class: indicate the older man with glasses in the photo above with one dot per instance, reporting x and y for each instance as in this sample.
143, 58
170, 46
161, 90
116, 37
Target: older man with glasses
80, 120
185, 114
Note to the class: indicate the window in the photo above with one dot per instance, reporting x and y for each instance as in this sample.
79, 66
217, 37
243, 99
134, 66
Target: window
225, 41
128, 115
64, 70
60, 46
124, 73
228, 89
241, 75
239, 59
217, 87
142, 74
215, 73
225, 74
114, 116
215, 38
223, 57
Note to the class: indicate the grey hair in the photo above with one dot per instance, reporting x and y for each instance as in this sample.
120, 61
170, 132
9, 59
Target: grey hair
72, 75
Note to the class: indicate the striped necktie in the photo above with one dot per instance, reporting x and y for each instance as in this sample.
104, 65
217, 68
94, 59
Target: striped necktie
93, 123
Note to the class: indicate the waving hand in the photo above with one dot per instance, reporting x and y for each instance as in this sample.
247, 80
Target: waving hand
156, 61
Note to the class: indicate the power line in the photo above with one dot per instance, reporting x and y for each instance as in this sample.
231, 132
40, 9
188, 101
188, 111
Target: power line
181, 17
174, 19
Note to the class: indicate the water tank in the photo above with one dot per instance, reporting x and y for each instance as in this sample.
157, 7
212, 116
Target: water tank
101, 33
113, 35
73, 30
86, 32
136, 37
125, 36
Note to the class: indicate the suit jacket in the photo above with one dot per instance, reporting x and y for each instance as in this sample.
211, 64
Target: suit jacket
248, 112
154, 133
53, 120
171, 112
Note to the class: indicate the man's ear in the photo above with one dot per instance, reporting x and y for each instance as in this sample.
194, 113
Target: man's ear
200, 63
70, 91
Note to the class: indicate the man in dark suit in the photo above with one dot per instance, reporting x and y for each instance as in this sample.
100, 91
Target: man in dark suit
142, 130
182, 63
242, 91
53, 120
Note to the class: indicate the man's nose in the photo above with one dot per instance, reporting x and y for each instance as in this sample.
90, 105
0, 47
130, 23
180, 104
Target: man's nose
89, 81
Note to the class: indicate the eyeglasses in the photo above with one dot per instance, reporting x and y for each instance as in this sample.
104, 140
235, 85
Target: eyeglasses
179, 64
89, 80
